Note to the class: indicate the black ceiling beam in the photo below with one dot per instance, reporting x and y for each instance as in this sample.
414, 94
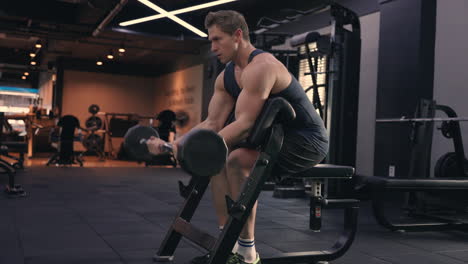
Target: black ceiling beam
109, 17
116, 41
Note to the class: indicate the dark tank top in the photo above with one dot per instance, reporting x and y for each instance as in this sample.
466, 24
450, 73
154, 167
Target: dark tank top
307, 122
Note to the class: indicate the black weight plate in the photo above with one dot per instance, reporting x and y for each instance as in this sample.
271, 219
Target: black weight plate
133, 144
447, 166
182, 118
93, 109
202, 153
93, 123
92, 142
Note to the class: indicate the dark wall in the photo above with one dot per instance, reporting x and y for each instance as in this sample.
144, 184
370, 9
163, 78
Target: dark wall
406, 73
211, 71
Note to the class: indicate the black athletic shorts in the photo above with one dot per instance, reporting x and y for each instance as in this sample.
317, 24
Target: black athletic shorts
298, 154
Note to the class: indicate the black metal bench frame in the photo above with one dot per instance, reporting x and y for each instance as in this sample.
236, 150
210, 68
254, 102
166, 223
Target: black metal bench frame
418, 180
381, 186
12, 189
239, 211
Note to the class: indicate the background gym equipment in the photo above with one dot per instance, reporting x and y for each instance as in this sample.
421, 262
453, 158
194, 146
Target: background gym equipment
419, 188
267, 134
7, 145
93, 109
94, 141
116, 125
93, 123
452, 164
200, 152
447, 165
433, 119
166, 127
182, 118
11, 189
65, 155
329, 69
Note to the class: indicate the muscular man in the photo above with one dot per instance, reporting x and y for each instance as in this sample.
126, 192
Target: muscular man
249, 79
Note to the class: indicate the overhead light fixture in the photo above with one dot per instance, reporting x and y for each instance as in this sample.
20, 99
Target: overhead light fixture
38, 44
122, 48
176, 12
110, 56
33, 63
26, 73
173, 18
23, 77
32, 54
99, 62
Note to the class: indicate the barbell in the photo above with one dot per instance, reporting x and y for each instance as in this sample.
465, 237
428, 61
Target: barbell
434, 119
200, 152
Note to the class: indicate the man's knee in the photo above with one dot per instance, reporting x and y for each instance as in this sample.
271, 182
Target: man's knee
241, 158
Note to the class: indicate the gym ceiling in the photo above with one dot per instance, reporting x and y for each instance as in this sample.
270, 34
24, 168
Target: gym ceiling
85, 30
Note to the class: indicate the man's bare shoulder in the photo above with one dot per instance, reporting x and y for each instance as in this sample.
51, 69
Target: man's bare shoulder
264, 62
260, 74
264, 58
220, 76
219, 83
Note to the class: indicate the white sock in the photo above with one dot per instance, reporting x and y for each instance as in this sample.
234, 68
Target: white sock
246, 248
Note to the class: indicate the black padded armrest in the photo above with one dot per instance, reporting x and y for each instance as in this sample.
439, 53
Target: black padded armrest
15, 146
327, 171
275, 110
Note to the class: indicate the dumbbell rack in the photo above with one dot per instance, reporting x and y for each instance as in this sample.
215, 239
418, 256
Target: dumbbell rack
94, 141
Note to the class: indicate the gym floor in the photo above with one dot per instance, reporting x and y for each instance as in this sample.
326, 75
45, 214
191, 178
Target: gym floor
110, 212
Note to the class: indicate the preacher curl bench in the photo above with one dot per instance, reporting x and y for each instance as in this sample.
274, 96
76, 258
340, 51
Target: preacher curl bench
267, 134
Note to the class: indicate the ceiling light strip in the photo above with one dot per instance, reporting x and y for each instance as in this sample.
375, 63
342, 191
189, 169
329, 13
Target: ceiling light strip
174, 18
176, 12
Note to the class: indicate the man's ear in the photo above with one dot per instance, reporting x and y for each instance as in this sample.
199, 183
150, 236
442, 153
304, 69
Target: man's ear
238, 33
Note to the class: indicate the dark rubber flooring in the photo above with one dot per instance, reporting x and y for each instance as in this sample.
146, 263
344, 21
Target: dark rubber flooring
120, 215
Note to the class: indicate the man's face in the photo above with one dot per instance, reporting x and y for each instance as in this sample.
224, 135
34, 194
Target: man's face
222, 44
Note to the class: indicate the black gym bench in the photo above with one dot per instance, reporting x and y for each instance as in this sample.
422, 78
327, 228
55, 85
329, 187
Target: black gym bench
317, 176
382, 186
268, 134
6, 147
12, 189
448, 177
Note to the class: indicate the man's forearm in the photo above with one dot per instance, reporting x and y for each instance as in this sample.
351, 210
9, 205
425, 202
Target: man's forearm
234, 133
206, 124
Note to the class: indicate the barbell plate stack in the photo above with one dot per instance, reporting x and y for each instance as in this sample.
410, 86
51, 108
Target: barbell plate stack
93, 123
92, 142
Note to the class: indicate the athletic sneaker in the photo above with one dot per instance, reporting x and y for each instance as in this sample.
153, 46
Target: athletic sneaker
239, 259
201, 259
204, 259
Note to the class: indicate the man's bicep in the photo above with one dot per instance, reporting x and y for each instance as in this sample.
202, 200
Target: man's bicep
257, 85
221, 105
248, 107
